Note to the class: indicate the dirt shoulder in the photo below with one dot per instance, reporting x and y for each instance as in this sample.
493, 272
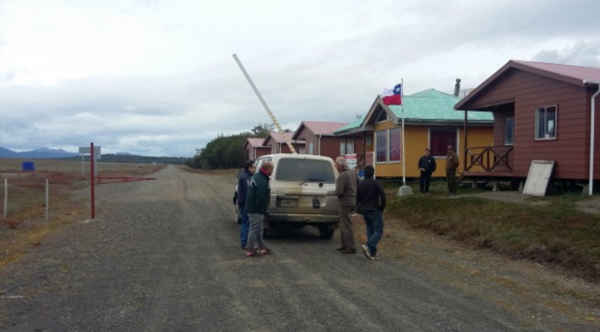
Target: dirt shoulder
25, 227
546, 295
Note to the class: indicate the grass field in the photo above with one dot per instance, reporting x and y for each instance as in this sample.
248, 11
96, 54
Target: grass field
554, 233
25, 225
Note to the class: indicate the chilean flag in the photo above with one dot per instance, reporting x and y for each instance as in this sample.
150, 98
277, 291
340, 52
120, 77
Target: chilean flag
392, 97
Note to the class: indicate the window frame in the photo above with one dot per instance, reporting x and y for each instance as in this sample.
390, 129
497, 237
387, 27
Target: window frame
389, 147
386, 135
512, 142
536, 123
456, 138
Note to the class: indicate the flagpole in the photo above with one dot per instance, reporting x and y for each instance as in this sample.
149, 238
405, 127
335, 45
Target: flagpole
403, 136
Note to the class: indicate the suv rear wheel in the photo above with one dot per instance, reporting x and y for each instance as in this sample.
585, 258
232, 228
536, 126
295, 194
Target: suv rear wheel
326, 231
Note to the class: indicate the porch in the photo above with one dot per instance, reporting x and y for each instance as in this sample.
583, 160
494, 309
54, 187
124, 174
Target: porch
489, 161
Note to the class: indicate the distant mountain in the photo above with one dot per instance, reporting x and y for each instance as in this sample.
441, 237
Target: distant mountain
125, 157
42, 153
6, 153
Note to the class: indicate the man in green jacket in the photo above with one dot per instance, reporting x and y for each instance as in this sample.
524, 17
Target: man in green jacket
345, 189
451, 166
257, 203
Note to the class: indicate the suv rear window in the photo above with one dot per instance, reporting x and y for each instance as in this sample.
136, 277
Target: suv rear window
310, 170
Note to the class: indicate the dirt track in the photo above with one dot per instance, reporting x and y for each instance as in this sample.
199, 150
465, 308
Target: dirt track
164, 256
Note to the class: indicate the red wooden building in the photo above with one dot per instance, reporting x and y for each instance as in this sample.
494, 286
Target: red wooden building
320, 139
277, 143
542, 111
255, 148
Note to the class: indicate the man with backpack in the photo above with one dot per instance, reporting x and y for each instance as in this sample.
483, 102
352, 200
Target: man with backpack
370, 199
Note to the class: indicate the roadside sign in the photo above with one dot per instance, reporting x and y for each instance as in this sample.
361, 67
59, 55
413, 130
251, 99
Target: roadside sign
85, 150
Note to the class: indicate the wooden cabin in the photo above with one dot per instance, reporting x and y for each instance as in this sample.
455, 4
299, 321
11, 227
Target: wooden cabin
254, 148
430, 121
320, 139
541, 112
277, 142
361, 139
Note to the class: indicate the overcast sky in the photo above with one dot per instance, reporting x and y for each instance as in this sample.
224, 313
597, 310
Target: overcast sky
157, 77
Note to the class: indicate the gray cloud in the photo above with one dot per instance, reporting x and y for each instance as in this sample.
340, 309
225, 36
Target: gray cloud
582, 53
183, 88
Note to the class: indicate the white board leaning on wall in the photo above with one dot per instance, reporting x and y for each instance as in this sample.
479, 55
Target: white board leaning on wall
538, 177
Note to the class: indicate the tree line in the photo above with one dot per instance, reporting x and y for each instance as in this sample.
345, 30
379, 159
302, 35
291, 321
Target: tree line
226, 151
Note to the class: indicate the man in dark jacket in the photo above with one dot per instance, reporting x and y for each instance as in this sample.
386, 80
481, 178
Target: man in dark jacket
371, 203
427, 167
242, 190
257, 203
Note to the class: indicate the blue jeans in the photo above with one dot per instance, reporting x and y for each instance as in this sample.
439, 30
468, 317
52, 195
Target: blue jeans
374, 222
243, 226
256, 234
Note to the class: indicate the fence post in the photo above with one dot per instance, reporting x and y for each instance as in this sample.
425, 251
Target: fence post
5, 198
47, 198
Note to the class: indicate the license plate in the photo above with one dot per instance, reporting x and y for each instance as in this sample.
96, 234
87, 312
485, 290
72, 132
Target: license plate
316, 203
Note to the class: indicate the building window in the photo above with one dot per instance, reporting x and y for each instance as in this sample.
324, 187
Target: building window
439, 139
369, 142
311, 148
509, 130
346, 147
349, 146
381, 145
395, 144
545, 122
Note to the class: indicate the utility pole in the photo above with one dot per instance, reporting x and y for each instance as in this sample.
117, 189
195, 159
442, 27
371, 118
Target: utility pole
262, 101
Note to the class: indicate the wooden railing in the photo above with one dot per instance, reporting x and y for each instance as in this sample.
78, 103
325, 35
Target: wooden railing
489, 158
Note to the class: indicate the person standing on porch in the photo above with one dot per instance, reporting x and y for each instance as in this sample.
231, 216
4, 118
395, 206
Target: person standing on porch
451, 166
427, 166
345, 190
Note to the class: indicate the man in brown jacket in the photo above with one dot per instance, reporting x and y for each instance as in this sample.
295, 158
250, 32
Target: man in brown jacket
451, 165
345, 189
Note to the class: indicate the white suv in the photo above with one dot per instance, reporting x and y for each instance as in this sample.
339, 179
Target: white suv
302, 192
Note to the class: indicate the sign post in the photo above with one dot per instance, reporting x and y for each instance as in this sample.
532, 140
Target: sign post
47, 197
92, 180
5, 198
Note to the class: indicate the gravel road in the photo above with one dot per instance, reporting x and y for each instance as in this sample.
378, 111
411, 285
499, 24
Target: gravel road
164, 255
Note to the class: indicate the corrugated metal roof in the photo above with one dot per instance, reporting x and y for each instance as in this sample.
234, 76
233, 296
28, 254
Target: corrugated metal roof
256, 142
352, 125
323, 127
434, 105
283, 137
429, 105
577, 72
577, 75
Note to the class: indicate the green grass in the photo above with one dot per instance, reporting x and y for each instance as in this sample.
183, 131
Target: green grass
437, 187
556, 233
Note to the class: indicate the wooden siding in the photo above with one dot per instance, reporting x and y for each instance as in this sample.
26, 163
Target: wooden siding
417, 140
530, 91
